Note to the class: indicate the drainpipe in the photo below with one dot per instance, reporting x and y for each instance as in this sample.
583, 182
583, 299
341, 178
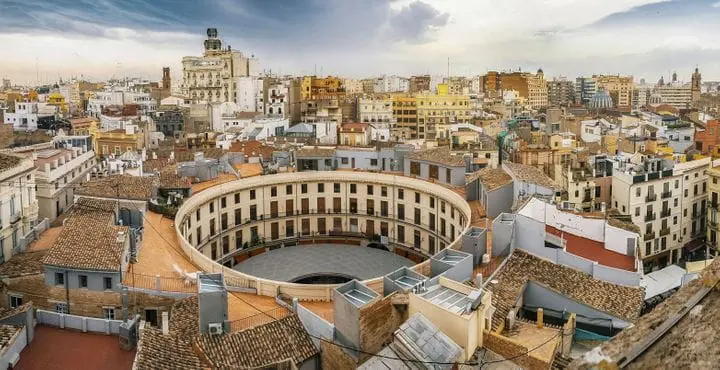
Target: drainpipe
67, 292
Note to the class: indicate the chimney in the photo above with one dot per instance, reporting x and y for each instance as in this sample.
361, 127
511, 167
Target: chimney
479, 280
165, 323
540, 323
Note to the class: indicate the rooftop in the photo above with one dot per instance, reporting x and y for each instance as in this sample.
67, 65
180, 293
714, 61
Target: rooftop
685, 345
118, 186
261, 345
530, 174
315, 152
249, 169
447, 298
88, 241
28, 263
8, 161
252, 148
7, 333
521, 267
593, 250
493, 178
438, 155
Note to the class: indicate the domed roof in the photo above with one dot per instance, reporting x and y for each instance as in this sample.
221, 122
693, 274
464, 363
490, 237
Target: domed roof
601, 100
540, 70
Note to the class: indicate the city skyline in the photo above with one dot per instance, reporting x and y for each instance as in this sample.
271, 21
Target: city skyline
646, 39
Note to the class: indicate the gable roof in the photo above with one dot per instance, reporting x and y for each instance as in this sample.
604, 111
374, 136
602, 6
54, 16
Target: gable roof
118, 186
617, 300
260, 345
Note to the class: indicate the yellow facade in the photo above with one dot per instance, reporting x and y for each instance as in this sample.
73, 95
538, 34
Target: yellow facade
115, 142
405, 115
435, 114
56, 99
305, 87
443, 89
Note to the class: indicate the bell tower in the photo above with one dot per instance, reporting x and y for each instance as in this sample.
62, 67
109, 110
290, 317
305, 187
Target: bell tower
695, 84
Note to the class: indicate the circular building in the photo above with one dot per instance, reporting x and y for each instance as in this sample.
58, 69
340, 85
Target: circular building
301, 233
600, 100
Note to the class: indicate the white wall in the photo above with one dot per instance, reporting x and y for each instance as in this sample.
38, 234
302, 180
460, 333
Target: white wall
616, 239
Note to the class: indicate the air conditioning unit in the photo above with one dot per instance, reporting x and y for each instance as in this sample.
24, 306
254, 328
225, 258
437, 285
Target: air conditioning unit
215, 328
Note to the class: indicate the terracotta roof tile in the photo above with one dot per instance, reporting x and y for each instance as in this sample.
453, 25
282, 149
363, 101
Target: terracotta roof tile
162, 352
8, 161
493, 178
315, 152
438, 155
28, 263
620, 301
530, 174
88, 241
260, 345
7, 332
118, 186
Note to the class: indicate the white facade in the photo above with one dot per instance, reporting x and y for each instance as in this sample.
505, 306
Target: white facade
277, 103
119, 97
375, 110
388, 84
18, 205
591, 131
59, 172
177, 101
677, 95
249, 94
27, 114
353, 86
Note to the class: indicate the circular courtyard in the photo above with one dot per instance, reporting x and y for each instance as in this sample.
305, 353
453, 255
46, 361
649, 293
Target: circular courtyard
322, 263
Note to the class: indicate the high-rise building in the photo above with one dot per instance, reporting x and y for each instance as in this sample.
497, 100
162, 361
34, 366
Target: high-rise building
620, 89
561, 92
585, 88
530, 87
213, 77
419, 84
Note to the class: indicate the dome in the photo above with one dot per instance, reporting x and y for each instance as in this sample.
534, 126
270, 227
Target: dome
601, 100
540, 71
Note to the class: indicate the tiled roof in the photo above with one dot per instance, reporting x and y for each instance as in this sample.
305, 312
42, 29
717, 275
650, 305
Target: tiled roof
169, 179
158, 351
6, 312
8, 161
88, 241
7, 332
152, 165
118, 186
620, 301
20, 264
530, 174
189, 155
249, 169
253, 148
315, 152
184, 318
493, 178
438, 155
260, 345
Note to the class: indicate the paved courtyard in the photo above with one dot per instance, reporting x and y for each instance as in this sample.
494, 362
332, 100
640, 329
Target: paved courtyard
288, 264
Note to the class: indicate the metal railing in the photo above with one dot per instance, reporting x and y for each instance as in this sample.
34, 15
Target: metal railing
649, 236
665, 213
666, 194
260, 318
651, 198
160, 283
649, 217
664, 231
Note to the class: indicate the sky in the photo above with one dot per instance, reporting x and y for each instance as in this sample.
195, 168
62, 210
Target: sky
362, 38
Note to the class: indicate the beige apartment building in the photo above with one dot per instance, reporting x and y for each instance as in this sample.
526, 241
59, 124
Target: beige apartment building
435, 114
620, 89
18, 204
666, 203
713, 226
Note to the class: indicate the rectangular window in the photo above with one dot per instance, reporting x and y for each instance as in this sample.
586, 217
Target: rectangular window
344, 160
321, 188
442, 226
447, 175
417, 216
383, 191
226, 244
434, 172
401, 194
253, 212
336, 187
401, 212
109, 313
353, 205
82, 281
417, 197
384, 229
107, 283
223, 221
384, 208
353, 188
61, 308
273, 191
303, 188
238, 216
212, 207
432, 202
237, 198
15, 301
401, 233
213, 251
252, 194
289, 228
415, 168
288, 189
370, 190
431, 219
321, 225
59, 278
373, 162
223, 202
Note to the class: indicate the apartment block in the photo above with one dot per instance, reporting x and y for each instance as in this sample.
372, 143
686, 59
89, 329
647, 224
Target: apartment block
59, 172
18, 205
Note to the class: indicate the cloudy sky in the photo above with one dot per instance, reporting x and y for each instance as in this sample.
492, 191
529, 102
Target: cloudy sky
360, 38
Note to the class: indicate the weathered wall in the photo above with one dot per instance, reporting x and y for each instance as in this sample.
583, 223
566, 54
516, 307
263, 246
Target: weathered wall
333, 357
508, 348
378, 322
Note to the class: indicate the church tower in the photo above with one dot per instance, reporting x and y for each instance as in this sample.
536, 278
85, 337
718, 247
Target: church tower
695, 85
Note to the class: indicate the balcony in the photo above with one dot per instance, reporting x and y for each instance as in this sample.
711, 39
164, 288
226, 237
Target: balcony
649, 236
665, 213
587, 199
650, 217
651, 198
666, 194
15, 217
713, 224
664, 231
